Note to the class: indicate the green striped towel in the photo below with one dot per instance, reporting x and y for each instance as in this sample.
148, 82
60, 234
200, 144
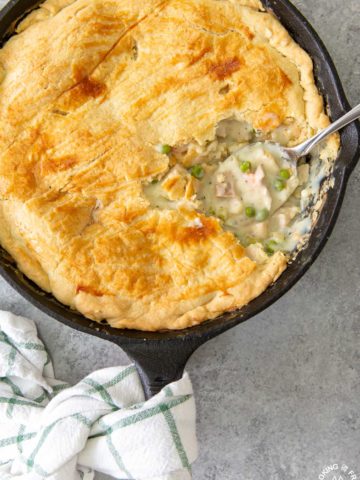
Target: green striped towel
49, 429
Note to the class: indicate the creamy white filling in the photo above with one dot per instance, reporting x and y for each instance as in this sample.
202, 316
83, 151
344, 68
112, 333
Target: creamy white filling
252, 187
248, 192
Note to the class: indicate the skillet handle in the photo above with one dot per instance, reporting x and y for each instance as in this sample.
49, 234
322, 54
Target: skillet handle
160, 362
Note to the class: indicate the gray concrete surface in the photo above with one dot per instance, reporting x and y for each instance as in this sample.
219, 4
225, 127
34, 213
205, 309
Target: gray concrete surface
278, 397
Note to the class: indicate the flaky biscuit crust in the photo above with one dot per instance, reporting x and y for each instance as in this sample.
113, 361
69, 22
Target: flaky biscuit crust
89, 88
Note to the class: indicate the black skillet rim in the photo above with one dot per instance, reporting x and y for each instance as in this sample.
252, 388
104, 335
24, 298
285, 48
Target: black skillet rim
338, 104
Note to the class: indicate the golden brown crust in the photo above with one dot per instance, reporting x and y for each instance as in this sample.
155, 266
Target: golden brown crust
89, 89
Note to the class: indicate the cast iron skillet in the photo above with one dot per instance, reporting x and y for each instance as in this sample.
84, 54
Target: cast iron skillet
160, 357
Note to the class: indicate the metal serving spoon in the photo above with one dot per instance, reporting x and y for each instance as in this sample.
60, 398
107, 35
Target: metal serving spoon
294, 153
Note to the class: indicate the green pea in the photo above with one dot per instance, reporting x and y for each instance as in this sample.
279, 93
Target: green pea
197, 171
154, 181
279, 184
212, 211
250, 240
245, 166
262, 214
165, 149
285, 173
250, 212
270, 247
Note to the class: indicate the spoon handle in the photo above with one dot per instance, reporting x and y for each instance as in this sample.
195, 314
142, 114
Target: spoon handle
305, 147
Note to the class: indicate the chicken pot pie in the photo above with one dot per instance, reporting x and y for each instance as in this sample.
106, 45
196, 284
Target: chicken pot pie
133, 184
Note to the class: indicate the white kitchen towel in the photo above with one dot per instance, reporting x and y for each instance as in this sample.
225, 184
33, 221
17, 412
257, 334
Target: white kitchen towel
51, 430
